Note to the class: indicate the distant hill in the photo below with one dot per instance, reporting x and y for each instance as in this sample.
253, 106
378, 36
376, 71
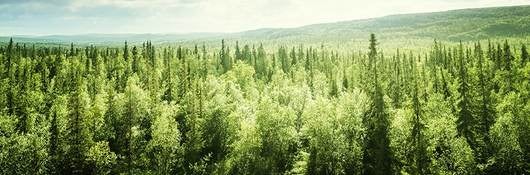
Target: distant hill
453, 25
112, 38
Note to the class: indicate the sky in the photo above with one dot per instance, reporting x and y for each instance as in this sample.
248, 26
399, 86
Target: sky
69, 17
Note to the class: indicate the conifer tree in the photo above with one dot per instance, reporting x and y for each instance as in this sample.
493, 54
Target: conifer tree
246, 55
10, 75
465, 119
284, 59
524, 55
72, 50
377, 158
59, 113
261, 65
224, 56
507, 62
79, 135
292, 54
486, 113
418, 138
126, 52
238, 54
135, 60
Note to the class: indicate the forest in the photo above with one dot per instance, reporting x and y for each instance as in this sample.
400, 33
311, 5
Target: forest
250, 108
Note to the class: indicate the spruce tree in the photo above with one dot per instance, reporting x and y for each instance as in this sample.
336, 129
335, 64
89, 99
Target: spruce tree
224, 56
126, 52
524, 55
59, 113
261, 65
508, 59
246, 55
135, 60
377, 156
465, 116
72, 50
486, 113
284, 59
238, 54
418, 139
10, 75
79, 135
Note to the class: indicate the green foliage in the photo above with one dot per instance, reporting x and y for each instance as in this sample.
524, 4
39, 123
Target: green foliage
449, 153
266, 109
509, 155
101, 158
165, 145
276, 128
377, 156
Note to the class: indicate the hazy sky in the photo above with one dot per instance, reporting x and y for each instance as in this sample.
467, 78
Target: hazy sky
44, 17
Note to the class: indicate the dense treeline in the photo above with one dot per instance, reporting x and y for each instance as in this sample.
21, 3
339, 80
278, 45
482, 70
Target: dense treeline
246, 110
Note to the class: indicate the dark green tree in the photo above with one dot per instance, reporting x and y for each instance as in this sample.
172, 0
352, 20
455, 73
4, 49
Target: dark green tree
420, 159
465, 117
524, 55
377, 156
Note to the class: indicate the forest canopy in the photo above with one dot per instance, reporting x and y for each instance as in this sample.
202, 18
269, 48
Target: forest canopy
257, 109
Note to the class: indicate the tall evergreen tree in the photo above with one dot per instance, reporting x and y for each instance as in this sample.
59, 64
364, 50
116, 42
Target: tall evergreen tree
135, 60
72, 50
79, 135
59, 113
418, 139
224, 55
126, 52
377, 158
465, 117
486, 113
261, 65
238, 54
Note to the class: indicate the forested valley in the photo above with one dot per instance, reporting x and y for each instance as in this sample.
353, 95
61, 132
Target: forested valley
249, 108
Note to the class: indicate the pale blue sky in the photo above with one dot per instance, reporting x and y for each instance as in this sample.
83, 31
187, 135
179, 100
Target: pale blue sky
46, 17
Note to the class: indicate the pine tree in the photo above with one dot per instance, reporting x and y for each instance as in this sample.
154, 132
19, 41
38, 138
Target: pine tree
261, 65
56, 142
486, 113
168, 94
524, 56
238, 54
395, 82
508, 59
465, 117
9, 54
284, 59
72, 50
419, 140
246, 55
135, 60
292, 54
126, 52
79, 136
224, 56
377, 158
10, 75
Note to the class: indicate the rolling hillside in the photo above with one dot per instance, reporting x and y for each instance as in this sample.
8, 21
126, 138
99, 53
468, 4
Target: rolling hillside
449, 25
454, 25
